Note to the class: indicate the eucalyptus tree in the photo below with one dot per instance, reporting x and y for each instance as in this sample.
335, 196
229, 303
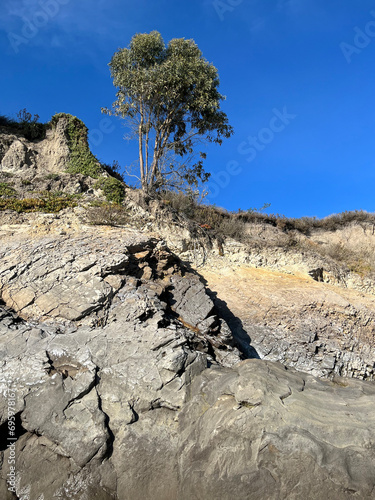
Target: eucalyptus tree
170, 99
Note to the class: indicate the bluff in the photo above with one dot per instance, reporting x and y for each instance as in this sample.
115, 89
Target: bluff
142, 361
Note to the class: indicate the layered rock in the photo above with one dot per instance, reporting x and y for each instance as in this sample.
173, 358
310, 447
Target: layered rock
96, 331
129, 385
132, 375
312, 326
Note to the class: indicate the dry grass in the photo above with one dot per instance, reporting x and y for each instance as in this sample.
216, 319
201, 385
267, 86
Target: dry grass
288, 233
107, 214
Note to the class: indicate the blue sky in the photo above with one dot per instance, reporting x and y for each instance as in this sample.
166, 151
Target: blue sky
298, 76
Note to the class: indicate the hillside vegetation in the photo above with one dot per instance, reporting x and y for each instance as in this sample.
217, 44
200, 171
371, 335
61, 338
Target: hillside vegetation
28, 183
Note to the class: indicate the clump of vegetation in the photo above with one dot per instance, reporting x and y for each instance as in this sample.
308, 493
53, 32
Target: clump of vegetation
6, 191
114, 170
7, 174
107, 214
53, 177
26, 124
112, 188
215, 221
49, 202
82, 161
357, 261
221, 224
333, 222
29, 125
5, 121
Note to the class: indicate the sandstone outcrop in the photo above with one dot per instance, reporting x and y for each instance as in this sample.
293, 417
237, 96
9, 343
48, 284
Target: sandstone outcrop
315, 327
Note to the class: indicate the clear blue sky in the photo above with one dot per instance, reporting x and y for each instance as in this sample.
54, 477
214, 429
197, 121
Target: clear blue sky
298, 76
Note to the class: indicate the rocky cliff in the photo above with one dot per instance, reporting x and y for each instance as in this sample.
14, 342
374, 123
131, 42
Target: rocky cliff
140, 362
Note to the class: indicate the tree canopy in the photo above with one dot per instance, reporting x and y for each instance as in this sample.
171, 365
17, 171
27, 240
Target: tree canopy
169, 95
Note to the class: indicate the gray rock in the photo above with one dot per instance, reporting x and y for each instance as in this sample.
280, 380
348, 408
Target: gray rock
190, 300
116, 400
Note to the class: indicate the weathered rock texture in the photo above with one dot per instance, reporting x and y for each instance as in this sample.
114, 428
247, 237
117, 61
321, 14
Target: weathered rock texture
315, 327
38, 166
129, 384
133, 380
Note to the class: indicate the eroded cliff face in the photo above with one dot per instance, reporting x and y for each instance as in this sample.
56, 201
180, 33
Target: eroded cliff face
49, 155
315, 327
129, 384
133, 356
32, 167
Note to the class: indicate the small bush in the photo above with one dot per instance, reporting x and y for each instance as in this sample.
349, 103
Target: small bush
107, 214
112, 188
360, 262
29, 125
25, 182
52, 177
114, 170
5, 121
26, 124
216, 221
6, 191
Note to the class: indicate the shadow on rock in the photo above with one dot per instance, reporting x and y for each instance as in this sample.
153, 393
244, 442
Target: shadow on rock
240, 335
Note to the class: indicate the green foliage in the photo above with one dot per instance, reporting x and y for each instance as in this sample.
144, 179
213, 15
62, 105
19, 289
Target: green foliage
6, 191
30, 128
5, 121
49, 202
112, 188
82, 161
170, 96
52, 177
114, 170
26, 124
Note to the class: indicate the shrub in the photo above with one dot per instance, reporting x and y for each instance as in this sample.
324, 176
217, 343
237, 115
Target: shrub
107, 214
52, 177
331, 223
5, 121
26, 124
114, 170
29, 126
217, 222
6, 191
112, 188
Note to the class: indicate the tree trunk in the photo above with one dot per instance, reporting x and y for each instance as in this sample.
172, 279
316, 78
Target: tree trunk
141, 159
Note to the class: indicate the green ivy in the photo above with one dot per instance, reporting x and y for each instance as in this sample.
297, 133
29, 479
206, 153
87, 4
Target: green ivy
112, 188
82, 161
